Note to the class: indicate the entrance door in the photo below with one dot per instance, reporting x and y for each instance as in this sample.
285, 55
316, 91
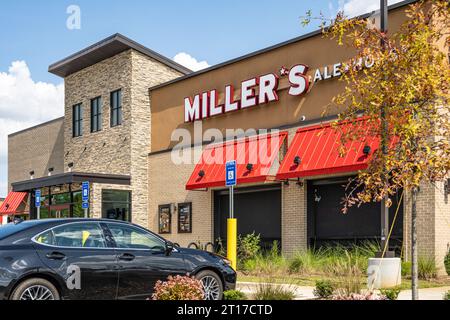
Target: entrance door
327, 224
257, 210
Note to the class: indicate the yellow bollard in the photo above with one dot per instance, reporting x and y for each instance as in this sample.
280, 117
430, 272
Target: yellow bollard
232, 242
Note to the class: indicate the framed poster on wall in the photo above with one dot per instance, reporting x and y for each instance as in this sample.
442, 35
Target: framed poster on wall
185, 217
165, 219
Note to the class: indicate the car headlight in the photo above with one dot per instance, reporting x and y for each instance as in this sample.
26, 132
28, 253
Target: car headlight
226, 261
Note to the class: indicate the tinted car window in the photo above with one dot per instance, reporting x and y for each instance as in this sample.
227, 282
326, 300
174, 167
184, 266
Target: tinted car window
79, 235
46, 238
13, 228
133, 238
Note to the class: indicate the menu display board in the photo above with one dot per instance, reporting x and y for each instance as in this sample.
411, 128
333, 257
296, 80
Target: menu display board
185, 217
165, 219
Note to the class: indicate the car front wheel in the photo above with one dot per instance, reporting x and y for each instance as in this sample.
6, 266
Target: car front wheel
35, 289
212, 284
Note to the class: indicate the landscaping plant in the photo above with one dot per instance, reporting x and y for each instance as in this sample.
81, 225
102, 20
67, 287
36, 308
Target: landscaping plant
390, 294
234, 295
179, 288
248, 246
447, 263
447, 295
270, 291
427, 268
358, 296
324, 289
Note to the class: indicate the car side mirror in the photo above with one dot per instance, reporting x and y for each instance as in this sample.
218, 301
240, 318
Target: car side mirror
169, 248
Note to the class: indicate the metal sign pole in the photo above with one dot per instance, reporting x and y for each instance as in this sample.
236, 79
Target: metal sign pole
230, 179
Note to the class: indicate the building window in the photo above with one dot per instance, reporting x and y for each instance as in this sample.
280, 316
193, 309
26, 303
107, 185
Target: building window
185, 217
96, 114
116, 205
77, 119
116, 108
165, 219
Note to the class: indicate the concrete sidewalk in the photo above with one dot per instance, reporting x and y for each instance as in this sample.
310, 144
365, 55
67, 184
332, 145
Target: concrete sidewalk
306, 293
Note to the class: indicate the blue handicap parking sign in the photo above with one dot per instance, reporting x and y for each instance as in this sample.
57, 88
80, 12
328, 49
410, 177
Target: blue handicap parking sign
230, 174
37, 197
85, 191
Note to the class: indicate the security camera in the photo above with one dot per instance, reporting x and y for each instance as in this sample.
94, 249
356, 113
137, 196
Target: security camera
303, 118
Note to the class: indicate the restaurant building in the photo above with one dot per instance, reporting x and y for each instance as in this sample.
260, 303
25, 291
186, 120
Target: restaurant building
128, 111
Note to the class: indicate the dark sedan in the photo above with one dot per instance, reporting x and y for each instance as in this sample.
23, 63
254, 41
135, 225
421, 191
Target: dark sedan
98, 259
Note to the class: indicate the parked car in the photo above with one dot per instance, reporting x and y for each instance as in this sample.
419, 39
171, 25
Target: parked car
98, 259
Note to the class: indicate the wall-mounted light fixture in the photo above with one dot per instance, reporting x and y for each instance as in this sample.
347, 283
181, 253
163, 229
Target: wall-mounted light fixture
201, 173
50, 170
31, 174
249, 167
367, 150
297, 160
70, 166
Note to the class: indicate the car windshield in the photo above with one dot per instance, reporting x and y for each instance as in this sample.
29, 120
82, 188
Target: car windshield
12, 228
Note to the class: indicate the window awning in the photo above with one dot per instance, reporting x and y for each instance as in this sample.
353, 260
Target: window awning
254, 159
314, 151
13, 202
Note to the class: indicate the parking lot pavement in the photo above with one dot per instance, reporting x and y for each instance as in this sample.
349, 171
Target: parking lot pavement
306, 293
425, 294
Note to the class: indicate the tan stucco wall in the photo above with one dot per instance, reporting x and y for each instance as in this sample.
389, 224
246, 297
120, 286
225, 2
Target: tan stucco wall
316, 52
36, 149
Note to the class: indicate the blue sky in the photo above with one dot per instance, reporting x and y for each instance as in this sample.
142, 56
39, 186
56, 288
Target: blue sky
197, 33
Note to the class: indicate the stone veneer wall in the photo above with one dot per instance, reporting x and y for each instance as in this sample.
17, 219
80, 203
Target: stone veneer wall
146, 73
36, 149
122, 149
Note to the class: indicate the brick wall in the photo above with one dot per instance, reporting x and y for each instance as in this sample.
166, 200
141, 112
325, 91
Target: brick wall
36, 149
167, 183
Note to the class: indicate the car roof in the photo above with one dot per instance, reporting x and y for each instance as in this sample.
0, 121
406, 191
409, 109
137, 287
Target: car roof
67, 220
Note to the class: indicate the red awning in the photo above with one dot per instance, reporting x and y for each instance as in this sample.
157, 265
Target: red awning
13, 201
314, 151
254, 158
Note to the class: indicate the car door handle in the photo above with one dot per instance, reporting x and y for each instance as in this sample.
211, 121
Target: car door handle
55, 256
127, 257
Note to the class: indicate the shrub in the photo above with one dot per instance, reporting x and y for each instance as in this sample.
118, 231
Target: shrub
269, 291
248, 246
427, 268
447, 295
406, 268
306, 262
324, 289
358, 296
390, 294
234, 295
179, 288
447, 263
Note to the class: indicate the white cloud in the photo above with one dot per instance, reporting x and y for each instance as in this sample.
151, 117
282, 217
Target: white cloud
354, 8
190, 62
24, 103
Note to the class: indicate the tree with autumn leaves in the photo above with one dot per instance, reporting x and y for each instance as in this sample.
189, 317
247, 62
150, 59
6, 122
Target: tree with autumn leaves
404, 98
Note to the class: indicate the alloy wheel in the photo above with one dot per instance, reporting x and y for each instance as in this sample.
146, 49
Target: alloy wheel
211, 288
37, 292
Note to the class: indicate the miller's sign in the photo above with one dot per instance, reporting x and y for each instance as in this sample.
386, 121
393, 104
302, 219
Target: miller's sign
258, 90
